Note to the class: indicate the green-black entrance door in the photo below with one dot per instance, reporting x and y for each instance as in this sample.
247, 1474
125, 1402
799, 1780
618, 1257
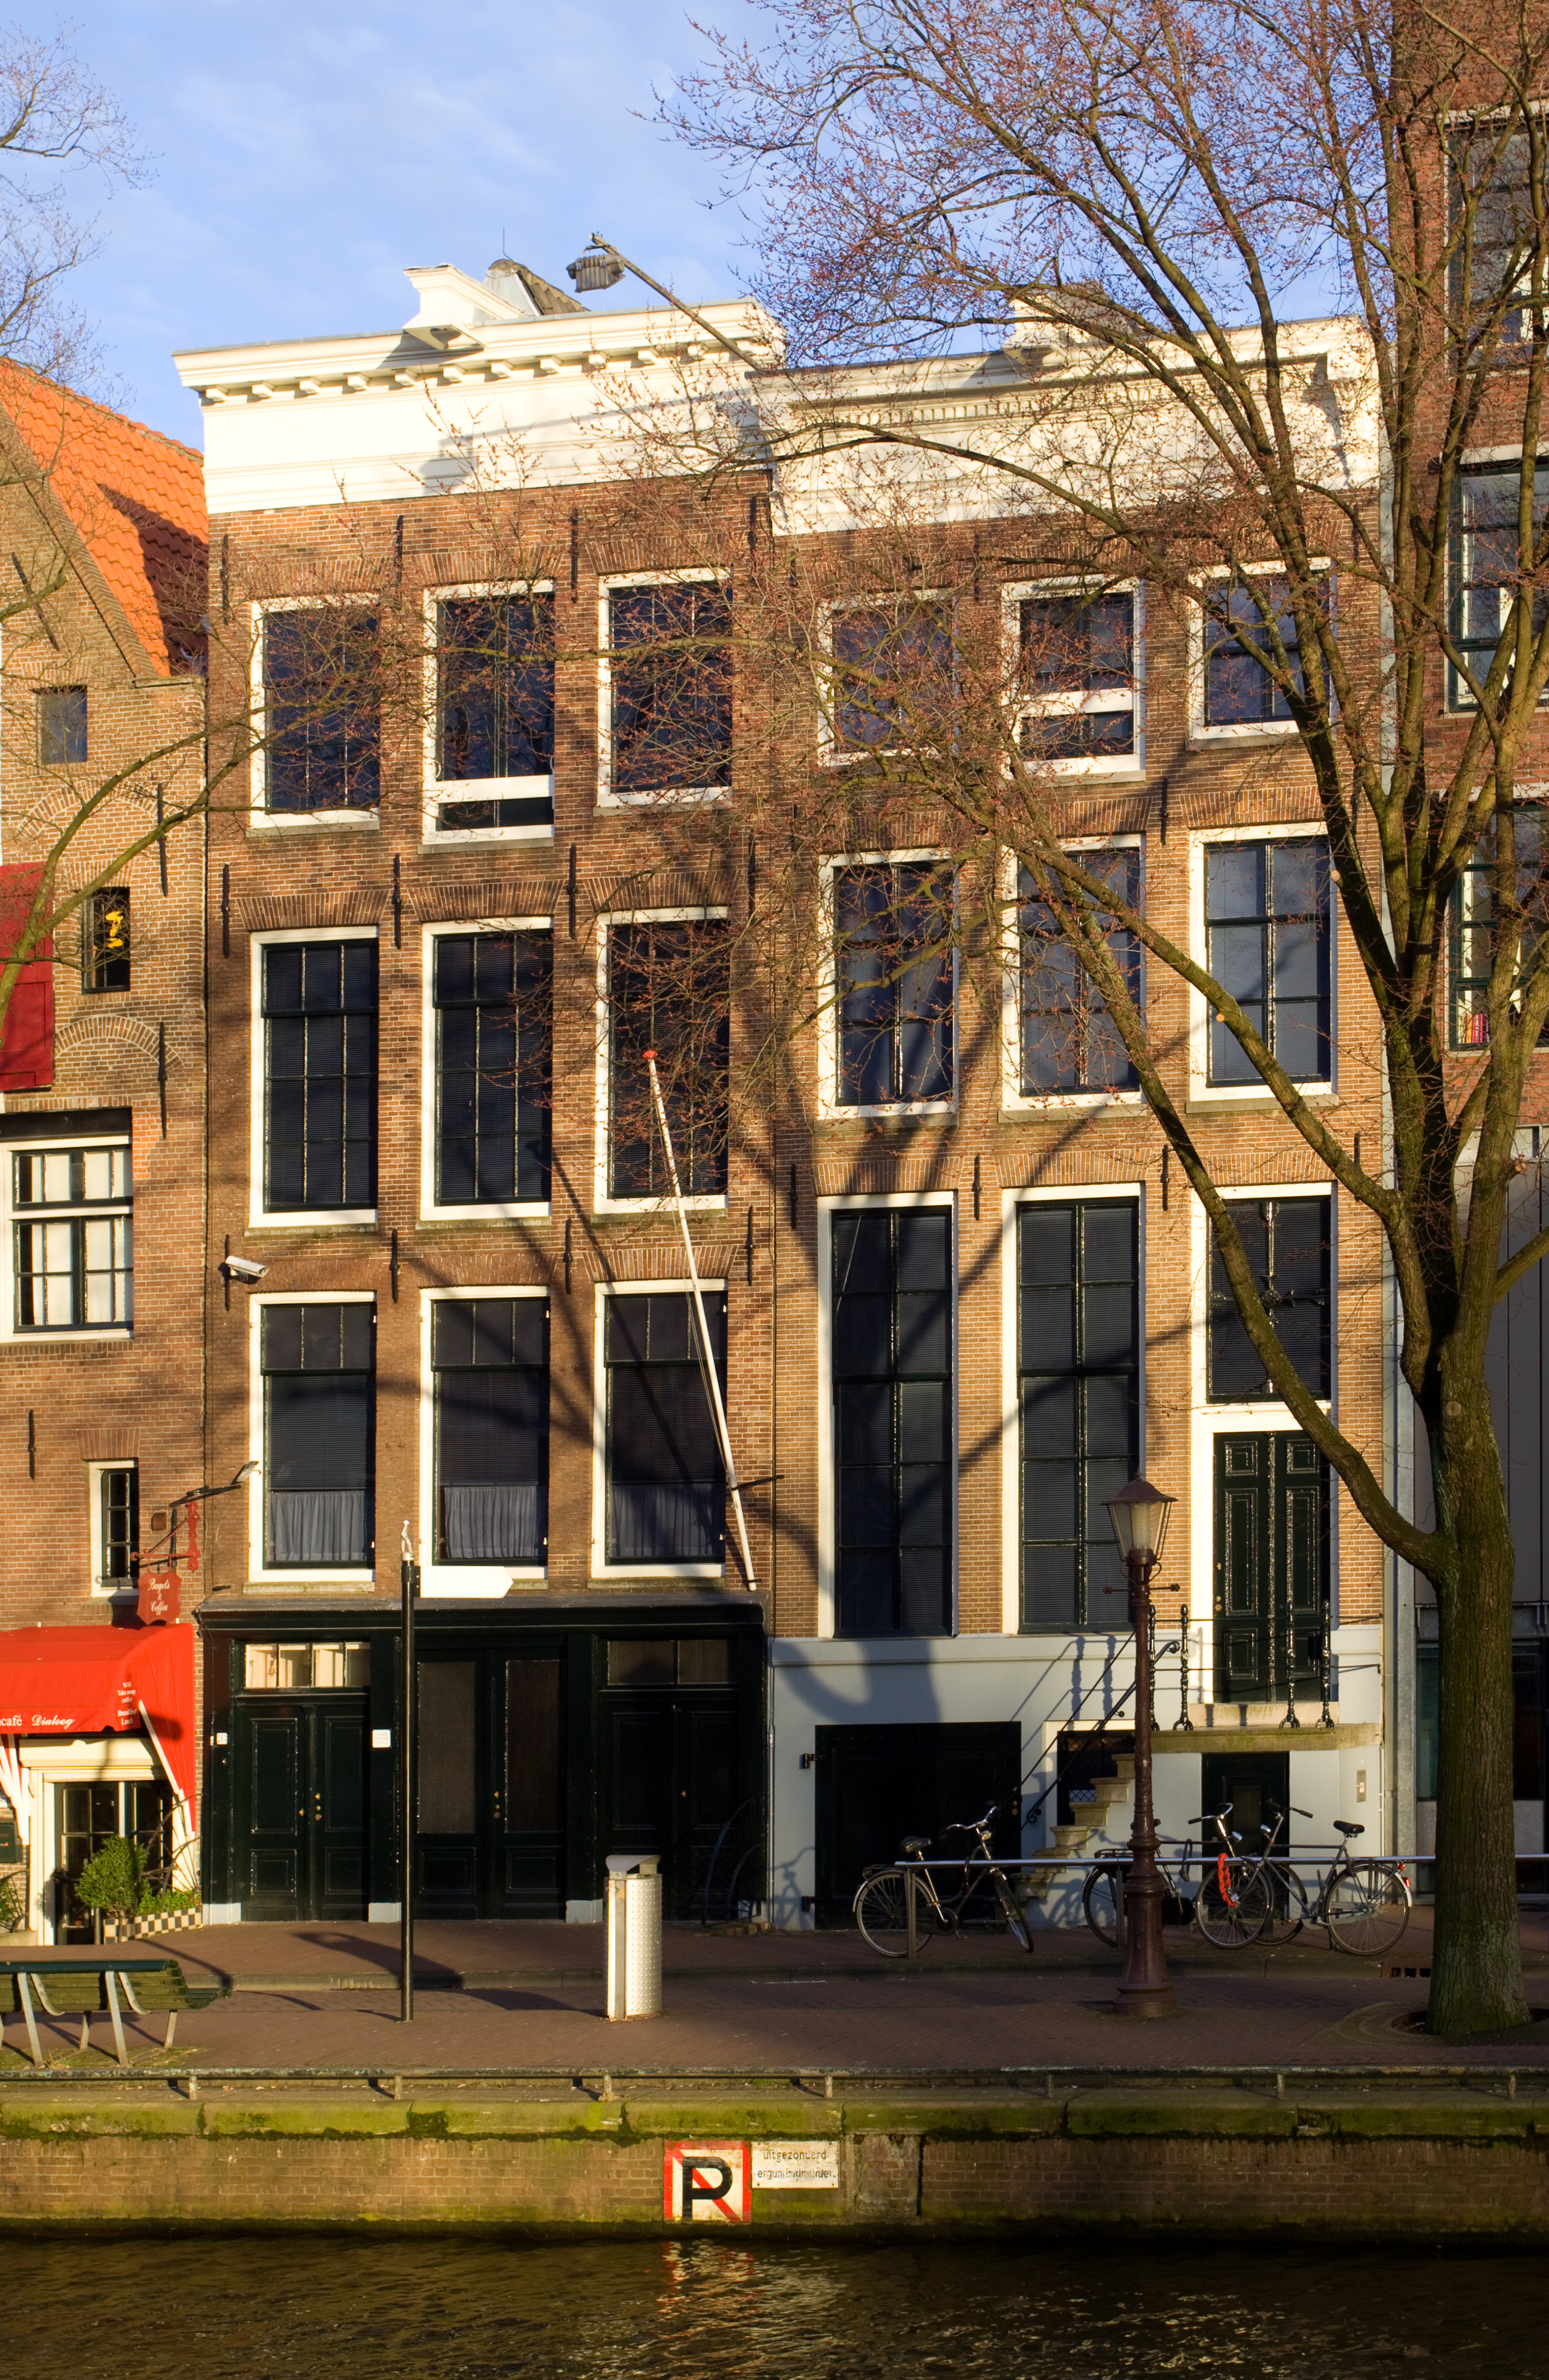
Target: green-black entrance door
301, 1809
488, 1841
1271, 1565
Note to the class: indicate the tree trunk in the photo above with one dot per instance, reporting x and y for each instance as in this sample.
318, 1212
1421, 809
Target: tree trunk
1476, 1970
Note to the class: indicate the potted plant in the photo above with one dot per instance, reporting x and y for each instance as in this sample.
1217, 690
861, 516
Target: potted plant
111, 1884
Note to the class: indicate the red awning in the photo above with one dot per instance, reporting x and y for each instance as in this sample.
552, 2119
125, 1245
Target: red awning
83, 1681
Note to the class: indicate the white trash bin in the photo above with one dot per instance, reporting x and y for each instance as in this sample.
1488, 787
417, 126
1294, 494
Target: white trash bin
633, 1935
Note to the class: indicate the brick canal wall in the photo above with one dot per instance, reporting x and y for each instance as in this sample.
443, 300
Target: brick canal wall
1459, 2164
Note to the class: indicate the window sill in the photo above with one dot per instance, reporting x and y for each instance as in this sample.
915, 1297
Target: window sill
669, 798
319, 1219
1023, 1104
632, 1574
1279, 731
1127, 771
694, 1203
319, 1582
897, 1112
461, 838
478, 1582
1231, 1100
529, 1210
313, 822
121, 1333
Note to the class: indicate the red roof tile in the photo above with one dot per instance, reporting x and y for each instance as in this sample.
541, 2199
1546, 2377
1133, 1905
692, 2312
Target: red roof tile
135, 498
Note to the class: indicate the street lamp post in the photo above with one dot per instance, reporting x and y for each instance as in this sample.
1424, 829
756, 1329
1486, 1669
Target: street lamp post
1139, 1515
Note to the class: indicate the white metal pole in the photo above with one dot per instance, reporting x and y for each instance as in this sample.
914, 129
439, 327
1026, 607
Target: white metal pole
717, 1405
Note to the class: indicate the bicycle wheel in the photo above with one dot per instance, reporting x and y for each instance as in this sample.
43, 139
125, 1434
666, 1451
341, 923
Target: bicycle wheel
1368, 1909
1288, 1904
883, 1918
1232, 1924
1102, 1905
1015, 1917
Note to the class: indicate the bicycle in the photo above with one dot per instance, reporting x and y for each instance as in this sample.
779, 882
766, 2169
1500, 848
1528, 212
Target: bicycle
881, 1905
1226, 1914
1364, 1904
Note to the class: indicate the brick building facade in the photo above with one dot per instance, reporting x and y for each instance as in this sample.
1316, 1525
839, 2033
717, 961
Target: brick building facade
420, 927
102, 1111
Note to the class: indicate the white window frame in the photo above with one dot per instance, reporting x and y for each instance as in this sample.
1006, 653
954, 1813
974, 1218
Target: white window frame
1120, 767
699, 1201
603, 1570
361, 1576
302, 1219
827, 1484
608, 797
1248, 731
1203, 1092
832, 754
437, 789
261, 819
1208, 1422
481, 1581
482, 1212
100, 1591
1012, 1097
1064, 1193
116, 1333
830, 1107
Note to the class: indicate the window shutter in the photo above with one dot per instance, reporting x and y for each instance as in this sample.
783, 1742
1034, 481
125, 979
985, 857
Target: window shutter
27, 1038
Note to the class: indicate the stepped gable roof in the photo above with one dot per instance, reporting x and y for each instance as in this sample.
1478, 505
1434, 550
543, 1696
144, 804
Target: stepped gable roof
135, 499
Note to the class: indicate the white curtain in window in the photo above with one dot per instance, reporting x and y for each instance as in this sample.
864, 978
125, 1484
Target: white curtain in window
498, 1523
666, 1523
321, 1524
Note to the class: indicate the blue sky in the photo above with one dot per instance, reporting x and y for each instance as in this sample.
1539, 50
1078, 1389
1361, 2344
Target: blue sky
303, 151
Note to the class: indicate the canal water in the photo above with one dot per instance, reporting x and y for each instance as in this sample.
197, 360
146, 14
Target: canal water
451, 2309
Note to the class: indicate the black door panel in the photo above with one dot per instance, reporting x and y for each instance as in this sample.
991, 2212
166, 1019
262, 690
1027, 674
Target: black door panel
489, 1843
301, 1809
1271, 1564
876, 1784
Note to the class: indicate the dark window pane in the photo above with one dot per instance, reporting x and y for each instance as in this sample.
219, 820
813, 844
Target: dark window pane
1288, 1249
892, 1421
1078, 1399
319, 1002
495, 655
666, 1484
62, 727
320, 668
668, 987
1267, 937
671, 677
106, 941
494, 1067
892, 676
895, 983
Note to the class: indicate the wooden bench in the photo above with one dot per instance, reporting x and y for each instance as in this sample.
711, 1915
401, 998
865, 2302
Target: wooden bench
115, 1967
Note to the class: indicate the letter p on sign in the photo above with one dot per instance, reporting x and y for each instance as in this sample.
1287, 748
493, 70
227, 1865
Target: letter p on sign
705, 2182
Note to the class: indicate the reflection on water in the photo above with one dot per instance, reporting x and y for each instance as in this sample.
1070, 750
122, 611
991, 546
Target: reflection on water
348, 2309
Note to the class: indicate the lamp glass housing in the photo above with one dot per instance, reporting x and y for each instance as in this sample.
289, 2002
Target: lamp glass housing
1139, 1515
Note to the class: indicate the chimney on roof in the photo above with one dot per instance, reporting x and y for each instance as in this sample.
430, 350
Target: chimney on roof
520, 286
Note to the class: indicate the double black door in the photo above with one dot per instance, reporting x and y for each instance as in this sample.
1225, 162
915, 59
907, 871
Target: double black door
876, 1784
489, 1751
1271, 1565
300, 1816
671, 1784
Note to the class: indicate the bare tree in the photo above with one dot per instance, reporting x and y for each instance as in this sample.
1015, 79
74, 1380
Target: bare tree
1143, 202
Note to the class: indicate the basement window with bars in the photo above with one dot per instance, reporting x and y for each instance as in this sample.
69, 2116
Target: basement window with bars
490, 1360
317, 1362
495, 712
72, 1238
494, 1026
1078, 1383
892, 1392
319, 1055
1287, 1242
895, 967
666, 1482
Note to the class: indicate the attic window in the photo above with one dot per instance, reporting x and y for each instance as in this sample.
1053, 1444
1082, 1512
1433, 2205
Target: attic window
61, 726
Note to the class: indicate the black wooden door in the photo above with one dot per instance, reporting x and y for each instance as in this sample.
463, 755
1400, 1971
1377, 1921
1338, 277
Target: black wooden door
489, 1838
301, 1809
670, 1783
1271, 1564
876, 1784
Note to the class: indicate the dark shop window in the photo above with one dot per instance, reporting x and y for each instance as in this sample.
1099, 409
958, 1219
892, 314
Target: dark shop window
495, 661
61, 725
1238, 689
1078, 666
666, 1483
894, 964
107, 940
893, 1361
1078, 1378
490, 1359
493, 1052
118, 1526
1267, 931
668, 992
893, 676
320, 1024
1287, 1242
317, 1362
669, 674
324, 709
1069, 1042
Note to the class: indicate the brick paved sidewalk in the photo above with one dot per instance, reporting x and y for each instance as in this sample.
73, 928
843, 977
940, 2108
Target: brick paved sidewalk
778, 2003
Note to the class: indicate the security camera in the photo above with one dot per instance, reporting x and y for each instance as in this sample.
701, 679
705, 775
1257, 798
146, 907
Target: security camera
243, 1269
